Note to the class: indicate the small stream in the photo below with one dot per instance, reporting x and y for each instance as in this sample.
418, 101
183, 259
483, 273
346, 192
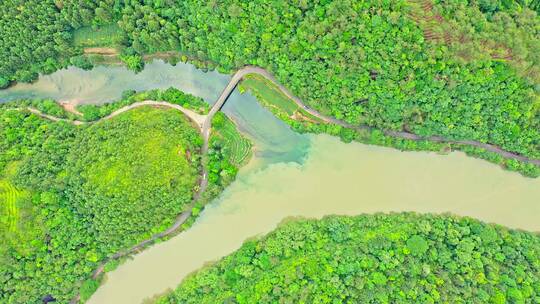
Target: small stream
290, 175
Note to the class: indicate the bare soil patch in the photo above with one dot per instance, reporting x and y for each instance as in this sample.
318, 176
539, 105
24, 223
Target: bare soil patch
104, 51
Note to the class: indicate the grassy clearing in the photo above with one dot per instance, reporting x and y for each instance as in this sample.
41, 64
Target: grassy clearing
239, 148
270, 94
271, 97
106, 36
9, 196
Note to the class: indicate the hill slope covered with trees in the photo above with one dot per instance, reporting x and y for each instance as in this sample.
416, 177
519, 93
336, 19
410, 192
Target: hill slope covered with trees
73, 196
396, 258
91, 191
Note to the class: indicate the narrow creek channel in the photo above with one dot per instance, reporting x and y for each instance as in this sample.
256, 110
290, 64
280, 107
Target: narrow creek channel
290, 175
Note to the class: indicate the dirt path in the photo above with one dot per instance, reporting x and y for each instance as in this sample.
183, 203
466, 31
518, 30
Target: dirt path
53, 118
205, 122
71, 107
195, 117
104, 51
198, 119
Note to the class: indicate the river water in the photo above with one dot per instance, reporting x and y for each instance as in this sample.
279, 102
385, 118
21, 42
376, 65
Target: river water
290, 175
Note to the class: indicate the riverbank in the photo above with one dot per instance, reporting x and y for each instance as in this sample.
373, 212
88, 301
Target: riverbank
303, 119
371, 259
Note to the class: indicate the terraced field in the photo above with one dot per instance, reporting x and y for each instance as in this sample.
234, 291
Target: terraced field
238, 146
9, 195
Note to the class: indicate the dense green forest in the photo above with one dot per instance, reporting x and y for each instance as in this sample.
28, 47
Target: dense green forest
458, 69
71, 196
394, 258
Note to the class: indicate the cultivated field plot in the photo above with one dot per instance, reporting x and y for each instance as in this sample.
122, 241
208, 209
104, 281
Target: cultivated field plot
9, 213
238, 147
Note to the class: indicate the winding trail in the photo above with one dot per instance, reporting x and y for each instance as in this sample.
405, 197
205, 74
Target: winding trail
204, 122
195, 117
53, 118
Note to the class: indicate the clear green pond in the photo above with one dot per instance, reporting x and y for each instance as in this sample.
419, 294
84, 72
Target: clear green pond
291, 175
